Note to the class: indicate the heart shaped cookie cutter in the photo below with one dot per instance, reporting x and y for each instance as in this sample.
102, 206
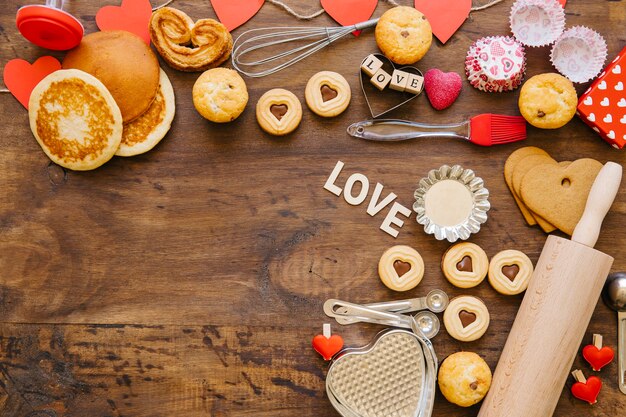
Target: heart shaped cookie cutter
395, 98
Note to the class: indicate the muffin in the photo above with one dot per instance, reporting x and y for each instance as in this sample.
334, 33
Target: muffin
403, 35
220, 95
464, 378
548, 101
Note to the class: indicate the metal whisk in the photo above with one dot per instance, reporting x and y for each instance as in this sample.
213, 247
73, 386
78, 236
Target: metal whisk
258, 39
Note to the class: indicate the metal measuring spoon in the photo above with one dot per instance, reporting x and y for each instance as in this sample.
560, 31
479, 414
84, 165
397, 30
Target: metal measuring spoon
614, 296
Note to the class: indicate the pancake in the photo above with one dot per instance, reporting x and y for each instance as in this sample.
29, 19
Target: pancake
75, 120
125, 65
143, 133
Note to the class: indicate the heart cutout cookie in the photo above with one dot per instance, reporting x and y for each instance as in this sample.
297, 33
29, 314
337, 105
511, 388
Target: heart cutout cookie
349, 12
559, 193
21, 77
234, 13
132, 16
388, 99
445, 16
393, 363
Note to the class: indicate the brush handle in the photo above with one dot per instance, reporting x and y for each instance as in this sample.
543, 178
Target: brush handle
391, 130
599, 202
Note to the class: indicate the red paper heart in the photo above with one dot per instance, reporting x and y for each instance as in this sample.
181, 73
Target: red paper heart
234, 13
598, 358
21, 77
349, 12
589, 391
445, 16
131, 16
327, 347
442, 88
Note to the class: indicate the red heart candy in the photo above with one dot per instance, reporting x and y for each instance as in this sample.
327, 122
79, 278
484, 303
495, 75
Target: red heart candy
131, 16
234, 13
349, 12
598, 358
445, 16
21, 77
442, 88
588, 391
327, 347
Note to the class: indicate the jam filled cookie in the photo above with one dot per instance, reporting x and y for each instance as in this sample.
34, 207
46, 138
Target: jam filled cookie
401, 268
510, 272
465, 265
220, 95
403, 34
278, 112
464, 378
327, 94
466, 318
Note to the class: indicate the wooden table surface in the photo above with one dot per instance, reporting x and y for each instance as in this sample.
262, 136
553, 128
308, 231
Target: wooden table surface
189, 281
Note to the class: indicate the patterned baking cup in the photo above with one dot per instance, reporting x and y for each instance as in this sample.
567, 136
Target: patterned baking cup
579, 54
495, 64
537, 22
465, 206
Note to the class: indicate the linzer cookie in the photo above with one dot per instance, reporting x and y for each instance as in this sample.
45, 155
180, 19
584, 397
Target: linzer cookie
466, 318
401, 268
510, 272
495, 64
278, 112
465, 265
327, 94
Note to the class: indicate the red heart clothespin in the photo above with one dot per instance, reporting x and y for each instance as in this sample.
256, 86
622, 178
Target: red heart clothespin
21, 77
326, 344
586, 389
597, 355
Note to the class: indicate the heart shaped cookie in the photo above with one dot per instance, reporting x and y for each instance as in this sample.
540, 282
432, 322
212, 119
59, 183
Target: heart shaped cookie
186, 46
132, 16
559, 193
442, 88
393, 364
21, 77
387, 99
401, 268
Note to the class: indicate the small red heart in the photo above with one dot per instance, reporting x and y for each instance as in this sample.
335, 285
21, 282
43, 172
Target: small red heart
349, 12
234, 13
131, 16
442, 88
598, 358
589, 391
327, 347
445, 16
21, 77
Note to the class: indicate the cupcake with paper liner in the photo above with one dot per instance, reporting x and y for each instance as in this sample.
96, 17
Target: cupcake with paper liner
579, 54
537, 22
495, 64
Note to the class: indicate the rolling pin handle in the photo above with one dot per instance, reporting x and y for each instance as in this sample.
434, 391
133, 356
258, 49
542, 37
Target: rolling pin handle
601, 196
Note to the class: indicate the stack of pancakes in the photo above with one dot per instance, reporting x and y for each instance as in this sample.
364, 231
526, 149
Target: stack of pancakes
111, 98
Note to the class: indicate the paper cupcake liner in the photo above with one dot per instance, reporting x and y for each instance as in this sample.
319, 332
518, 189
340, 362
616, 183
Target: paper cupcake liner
495, 64
537, 22
579, 54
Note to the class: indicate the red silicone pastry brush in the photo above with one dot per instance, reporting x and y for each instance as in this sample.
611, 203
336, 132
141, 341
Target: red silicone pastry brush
484, 130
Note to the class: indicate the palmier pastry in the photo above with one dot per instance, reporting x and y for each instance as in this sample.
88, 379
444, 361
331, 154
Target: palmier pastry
186, 46
465, 265
510, 272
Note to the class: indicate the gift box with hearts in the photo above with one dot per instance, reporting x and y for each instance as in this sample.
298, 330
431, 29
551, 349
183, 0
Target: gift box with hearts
603, 105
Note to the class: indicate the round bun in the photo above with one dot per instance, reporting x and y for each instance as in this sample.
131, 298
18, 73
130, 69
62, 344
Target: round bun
124, 64
75, 120
548, 101
403, 34
464, 378
220, 95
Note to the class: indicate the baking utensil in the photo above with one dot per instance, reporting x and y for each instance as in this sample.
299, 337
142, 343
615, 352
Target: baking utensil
49, 26
614, 295
484, 130
554, 314
306, 41
427, 322
394, 375
435, 301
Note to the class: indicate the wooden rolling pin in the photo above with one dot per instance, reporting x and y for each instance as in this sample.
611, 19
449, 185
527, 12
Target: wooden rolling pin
554, 314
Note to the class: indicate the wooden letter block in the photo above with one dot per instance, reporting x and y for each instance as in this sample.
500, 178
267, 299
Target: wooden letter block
371, 64
414, 84
380, 79
399, 80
